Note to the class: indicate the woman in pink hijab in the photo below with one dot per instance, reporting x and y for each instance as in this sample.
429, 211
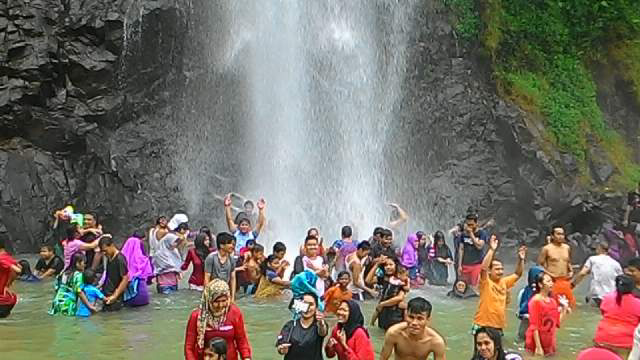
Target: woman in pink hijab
140, 270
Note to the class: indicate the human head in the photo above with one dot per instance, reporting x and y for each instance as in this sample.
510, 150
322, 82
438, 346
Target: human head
417, 315
471, 221
387, 238
344, 278
279, 250
496, 269
216, 349
250, 244
488, 344
557, 234
162, 222
438, 239
346, 232
224, 242
602, 248
245, 225
76, 263
402, 272
89, 277
312, 301
90, 220
363, 249
201, 243
46, 252
311, 246
624, 286
73, 232
377, 233
205, 230
633, 270
183, 228
389, 267
107, 246
313, 232
248, 207
257, 252
461, 286
218, 295
271, 262
544, 283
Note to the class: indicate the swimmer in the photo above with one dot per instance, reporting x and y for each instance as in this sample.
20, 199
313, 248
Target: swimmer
488, 346
413, 339
49, 264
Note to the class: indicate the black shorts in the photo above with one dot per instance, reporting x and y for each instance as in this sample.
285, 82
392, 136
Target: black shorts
5, 310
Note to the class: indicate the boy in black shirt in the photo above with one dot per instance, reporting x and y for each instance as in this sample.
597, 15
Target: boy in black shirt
49, 264
117, 277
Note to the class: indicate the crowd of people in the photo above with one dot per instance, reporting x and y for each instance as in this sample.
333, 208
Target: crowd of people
91, 273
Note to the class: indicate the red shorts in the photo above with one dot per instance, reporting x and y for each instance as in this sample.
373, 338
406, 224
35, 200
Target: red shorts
562, 286
471, 274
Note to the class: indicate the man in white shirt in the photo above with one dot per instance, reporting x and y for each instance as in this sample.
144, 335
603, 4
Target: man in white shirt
604, 269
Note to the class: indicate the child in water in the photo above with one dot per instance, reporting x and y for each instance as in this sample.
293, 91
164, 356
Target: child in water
216, 349
399, 283
91, 292
26, 274
338, 293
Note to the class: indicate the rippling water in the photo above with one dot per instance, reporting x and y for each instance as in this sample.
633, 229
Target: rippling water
157, 331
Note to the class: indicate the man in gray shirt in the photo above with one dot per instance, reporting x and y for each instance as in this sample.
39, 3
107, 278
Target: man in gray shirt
221, 264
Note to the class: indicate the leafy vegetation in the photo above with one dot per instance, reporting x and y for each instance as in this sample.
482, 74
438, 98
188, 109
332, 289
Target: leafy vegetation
541, 51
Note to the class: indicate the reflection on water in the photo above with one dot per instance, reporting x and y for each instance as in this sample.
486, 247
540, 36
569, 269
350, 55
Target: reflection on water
157, 331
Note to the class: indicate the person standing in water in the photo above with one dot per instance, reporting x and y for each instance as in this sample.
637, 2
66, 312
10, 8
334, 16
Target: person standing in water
349, 339
167, 259
494, 288
555, 258
471, 245
220, 264
242, 230
488, 346
117, 277
197, 256
302, 338
157, 232
355, 265
49, 264
9, 270
604, 269
344, 247
414, 338
139, 270
314, 262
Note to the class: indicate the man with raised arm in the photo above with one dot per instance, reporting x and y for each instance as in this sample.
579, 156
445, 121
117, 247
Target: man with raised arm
242, 231
413, 339
555, 258
494, 288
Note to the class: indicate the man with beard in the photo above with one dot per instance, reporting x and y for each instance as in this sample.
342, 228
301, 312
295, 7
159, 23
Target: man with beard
413, 339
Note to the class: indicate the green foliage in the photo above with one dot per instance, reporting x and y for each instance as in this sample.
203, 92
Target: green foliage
540, 50
468, 19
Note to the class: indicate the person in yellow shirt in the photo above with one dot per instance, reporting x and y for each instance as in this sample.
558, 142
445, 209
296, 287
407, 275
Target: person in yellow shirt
494, 289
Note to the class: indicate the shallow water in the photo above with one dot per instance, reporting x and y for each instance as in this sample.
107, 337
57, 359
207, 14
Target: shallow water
29, 333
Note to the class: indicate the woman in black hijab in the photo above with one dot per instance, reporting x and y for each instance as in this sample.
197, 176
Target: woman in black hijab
349, 339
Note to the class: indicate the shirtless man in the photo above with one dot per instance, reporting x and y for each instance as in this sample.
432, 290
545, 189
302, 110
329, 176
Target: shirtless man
413, 339
555, 258
355, 264
252, 264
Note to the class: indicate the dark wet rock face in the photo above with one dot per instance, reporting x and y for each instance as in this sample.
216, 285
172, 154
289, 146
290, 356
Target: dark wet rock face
87, 96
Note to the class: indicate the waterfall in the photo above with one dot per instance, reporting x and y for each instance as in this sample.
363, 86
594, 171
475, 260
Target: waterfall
318, 84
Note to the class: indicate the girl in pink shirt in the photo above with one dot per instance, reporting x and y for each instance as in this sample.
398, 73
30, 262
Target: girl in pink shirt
620, 316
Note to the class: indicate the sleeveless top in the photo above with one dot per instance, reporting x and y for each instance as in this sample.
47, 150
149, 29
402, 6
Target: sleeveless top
356, 291
153, 242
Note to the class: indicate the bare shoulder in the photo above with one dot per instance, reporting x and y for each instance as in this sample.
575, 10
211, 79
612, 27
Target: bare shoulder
395, 330
435, 338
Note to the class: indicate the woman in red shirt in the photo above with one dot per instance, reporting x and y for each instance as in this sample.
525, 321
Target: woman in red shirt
196, 256
544, 318
216, 317
349, 339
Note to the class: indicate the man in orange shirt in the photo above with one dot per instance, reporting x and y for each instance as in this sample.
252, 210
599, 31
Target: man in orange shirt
494, 288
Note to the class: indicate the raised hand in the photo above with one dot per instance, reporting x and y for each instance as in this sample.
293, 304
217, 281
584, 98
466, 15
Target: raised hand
261, 204
227, 200
493, 242
522, 253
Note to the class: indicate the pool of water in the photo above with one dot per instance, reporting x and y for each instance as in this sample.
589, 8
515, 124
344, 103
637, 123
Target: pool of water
157, 331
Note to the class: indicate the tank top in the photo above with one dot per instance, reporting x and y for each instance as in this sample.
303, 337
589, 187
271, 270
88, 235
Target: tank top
153, 242
356, 291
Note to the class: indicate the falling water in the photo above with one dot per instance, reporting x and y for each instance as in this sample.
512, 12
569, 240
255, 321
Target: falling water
315, 88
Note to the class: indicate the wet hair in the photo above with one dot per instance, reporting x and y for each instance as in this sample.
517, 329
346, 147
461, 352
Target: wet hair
312, 229
73, 264
472, 216
224, 238
419, 305
105, 241
46, 247
386, 232
634, 262
364, 245
309, 238
278, 247
160, 218
344, 272
26, 268
624, 286
89, 277
378, 230
257, 248
495, 337
201, 249
555, 226
264, 266
218, 346
604, 245
92, 214
346, 231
